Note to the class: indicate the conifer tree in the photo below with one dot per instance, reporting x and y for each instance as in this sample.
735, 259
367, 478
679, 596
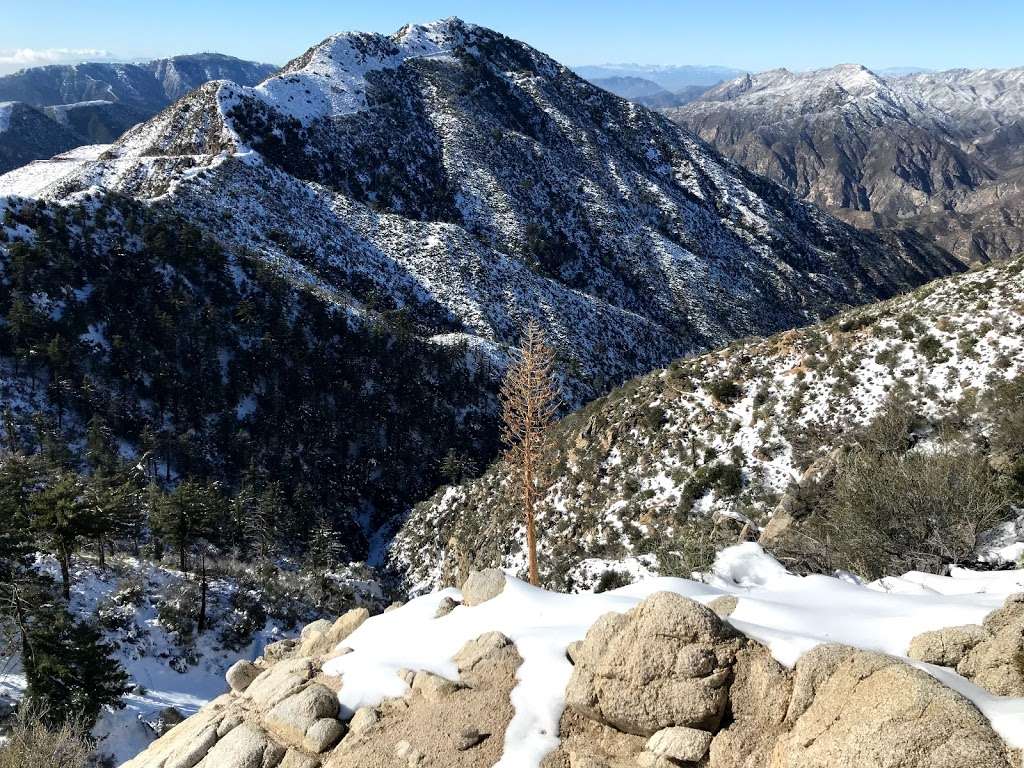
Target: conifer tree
70, 670
529, 401
186, 515
60, 514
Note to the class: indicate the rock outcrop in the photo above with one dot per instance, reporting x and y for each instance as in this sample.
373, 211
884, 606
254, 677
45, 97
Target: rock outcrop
990, 654
666, 684
997, 662
665, 663
669, 684
280, 710
874, 710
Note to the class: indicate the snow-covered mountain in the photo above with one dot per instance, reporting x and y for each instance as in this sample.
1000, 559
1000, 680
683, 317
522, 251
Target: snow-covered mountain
659, 473
27, 133
157, 82
939, 151
94, 103
436, 188
446, 164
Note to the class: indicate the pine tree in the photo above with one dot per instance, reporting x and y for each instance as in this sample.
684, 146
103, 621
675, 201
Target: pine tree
324, 549
529, 402
70, 670
186, 515
17, 477
60, 514
456, 467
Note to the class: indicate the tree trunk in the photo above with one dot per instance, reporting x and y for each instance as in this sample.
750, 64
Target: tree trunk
101, 549
181, 557
201, 624
531, 536
64, 556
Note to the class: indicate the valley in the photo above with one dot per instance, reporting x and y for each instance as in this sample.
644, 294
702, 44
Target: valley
304, 368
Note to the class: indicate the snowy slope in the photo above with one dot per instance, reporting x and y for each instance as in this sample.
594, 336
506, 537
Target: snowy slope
30, 179
6, 108
474, 182
631, 468
163, 671
94, 103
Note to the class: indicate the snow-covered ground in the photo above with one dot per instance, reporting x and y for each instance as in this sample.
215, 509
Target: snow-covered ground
789, 614
147, 650
30, 179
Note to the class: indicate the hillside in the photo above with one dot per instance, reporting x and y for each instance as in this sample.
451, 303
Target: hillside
152, 83
365, 232
660, 473
147, 611
27, 134
940, 152
58, 108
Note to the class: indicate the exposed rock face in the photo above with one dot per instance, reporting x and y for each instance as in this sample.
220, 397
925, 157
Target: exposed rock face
665, 663
947, 647
482, 586
874, 710
997, 662
322, 637
759, 700
241, 674
840, 706
461, 725
680, 743
991, 655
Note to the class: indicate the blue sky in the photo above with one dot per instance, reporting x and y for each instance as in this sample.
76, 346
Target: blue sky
798, 34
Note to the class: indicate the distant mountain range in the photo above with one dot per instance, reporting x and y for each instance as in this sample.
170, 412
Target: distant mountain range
648, 92
409, 202
55, 108
941, 152
670, 77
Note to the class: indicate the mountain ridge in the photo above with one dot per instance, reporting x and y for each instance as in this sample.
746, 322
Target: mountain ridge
935, 151
94, 103
445, 184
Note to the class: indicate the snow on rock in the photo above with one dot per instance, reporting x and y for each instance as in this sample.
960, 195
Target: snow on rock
790, 614
329, 80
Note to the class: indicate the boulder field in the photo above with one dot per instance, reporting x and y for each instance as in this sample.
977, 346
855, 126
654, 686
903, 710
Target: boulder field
670, 682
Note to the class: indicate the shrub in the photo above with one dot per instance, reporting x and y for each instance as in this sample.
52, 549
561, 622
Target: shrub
725, 391
245, 616
931, 347
611, 579
31, 743
891, 512
178, 609
655, 418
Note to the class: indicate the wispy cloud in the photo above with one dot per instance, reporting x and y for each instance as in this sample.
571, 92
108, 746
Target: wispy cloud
19, 58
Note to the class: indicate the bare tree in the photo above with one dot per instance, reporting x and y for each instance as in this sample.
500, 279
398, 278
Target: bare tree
529, 400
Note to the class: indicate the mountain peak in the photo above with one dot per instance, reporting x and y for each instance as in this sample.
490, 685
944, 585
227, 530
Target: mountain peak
330, 78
